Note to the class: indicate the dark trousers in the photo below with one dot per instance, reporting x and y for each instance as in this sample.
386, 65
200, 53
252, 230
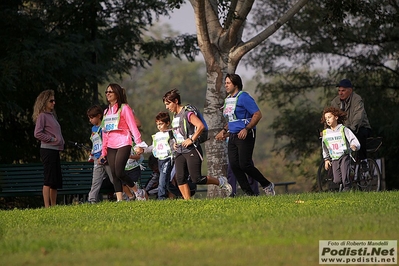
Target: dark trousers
240, 159
233, 182
362, 136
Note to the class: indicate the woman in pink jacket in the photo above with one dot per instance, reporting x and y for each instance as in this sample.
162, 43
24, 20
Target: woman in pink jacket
119, 126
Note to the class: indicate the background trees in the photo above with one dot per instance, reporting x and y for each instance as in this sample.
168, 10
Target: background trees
70, 47
146, 87
325, 42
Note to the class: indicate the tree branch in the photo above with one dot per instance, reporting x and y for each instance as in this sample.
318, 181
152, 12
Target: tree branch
256, 40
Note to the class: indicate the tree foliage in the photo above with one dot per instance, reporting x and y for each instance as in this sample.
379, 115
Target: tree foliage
327, 41
70, 46
146, 87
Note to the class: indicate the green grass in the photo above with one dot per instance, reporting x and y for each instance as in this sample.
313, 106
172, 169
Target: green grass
234, 231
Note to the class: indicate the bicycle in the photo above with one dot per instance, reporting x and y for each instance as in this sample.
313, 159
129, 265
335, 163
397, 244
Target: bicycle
361, 179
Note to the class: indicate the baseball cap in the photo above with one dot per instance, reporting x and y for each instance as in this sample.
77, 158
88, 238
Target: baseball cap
346, 83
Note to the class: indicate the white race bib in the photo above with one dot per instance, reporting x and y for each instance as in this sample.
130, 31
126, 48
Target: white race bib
111, 122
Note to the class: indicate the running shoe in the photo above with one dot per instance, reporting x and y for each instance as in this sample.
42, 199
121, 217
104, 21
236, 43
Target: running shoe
140, 194
225, 186
269, 190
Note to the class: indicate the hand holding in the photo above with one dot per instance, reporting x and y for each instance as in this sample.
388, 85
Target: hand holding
101, 160
138, 150
327, 164
222, 135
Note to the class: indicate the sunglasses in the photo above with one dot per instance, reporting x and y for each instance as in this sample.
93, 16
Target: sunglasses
52, 101
106, 92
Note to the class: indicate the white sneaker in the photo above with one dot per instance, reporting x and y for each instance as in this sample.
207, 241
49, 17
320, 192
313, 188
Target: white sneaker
269, 190
225, 186
140, 194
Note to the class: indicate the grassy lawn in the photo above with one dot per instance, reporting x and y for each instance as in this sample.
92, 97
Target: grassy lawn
280, 230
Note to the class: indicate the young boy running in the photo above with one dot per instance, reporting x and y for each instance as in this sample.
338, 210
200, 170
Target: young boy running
336, 142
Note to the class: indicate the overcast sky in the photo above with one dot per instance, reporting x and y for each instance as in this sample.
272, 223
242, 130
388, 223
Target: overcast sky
182, 20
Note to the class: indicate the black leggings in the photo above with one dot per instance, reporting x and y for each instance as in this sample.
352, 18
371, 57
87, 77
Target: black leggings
192, 162
117, 159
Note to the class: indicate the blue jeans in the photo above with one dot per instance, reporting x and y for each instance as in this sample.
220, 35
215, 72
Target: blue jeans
165, 167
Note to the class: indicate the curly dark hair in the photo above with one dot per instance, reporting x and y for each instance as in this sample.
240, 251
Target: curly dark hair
336, 112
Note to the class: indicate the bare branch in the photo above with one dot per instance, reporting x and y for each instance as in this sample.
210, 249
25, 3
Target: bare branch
256, 40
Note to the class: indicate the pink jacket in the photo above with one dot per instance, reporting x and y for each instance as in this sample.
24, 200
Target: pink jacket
126, 129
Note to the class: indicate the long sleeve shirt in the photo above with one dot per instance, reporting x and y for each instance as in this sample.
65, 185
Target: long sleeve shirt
48, 131
127, 128
337, 142
354, 107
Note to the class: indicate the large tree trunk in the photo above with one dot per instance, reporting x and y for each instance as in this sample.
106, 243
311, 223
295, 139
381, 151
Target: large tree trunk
216, 151
223, 48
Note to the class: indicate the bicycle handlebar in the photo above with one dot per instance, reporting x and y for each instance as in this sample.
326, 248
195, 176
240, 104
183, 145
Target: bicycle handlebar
79, 145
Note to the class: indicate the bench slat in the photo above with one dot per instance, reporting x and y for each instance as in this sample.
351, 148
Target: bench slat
27, 179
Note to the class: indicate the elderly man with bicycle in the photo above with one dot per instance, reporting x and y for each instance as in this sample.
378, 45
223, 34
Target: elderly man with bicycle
352, 103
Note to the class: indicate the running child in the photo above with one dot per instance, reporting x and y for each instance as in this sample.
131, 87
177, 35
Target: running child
336, 142
161, 149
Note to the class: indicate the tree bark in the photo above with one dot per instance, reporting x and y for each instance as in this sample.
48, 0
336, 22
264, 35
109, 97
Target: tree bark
222, 48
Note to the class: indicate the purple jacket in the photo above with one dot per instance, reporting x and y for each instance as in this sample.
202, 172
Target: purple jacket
48, 131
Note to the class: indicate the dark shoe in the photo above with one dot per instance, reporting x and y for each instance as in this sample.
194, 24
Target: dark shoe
364, 166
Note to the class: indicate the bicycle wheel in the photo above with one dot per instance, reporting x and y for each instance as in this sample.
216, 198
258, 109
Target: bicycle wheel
369, 179
325, 179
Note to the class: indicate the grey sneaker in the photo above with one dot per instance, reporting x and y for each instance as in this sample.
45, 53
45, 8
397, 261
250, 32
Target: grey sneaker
269, 190
140, 194
225, 186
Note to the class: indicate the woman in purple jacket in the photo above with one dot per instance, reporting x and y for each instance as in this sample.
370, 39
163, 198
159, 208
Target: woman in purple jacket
48, 131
